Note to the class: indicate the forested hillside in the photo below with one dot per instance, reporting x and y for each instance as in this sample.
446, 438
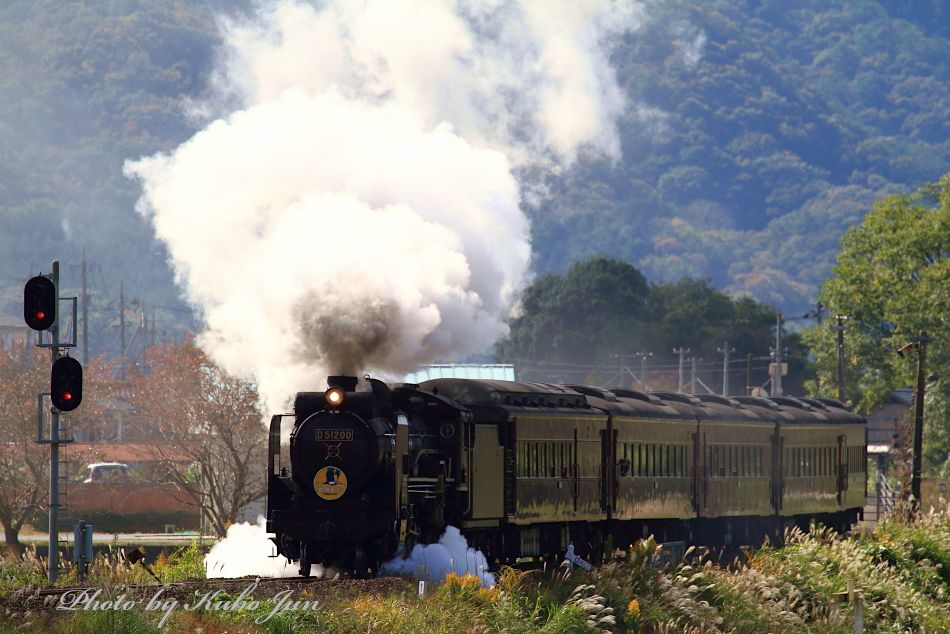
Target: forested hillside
755, 133
83, 87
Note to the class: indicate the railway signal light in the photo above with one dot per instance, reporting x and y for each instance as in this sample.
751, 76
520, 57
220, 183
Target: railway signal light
39, 303
66, 384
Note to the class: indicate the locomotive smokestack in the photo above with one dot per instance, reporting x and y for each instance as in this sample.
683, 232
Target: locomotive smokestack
346, 383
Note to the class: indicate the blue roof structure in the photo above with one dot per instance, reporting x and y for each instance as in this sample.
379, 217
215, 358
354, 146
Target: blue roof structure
496, 371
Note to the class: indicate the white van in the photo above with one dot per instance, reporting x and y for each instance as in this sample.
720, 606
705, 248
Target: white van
107, 473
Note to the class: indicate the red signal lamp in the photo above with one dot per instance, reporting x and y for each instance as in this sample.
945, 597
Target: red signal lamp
66, 384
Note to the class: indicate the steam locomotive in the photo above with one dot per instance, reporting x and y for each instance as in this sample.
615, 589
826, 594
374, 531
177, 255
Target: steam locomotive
525, 469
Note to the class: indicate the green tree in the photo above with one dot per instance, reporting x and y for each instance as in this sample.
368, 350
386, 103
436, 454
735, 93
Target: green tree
564, 318
602, 308
892, 281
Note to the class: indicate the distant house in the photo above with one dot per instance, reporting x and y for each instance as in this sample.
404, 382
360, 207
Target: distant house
143, 499
15, 334
144, 459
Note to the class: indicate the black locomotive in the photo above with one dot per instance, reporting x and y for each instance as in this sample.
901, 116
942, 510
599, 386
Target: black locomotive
526, 469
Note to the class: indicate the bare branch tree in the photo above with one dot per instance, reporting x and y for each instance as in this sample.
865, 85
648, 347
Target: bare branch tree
210, 439
24, 464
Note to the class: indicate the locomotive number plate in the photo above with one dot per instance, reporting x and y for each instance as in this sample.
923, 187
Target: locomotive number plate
333, 435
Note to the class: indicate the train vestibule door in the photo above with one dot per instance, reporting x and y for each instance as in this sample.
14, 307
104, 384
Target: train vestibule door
487, 474
700, 475
842, 462
778, 470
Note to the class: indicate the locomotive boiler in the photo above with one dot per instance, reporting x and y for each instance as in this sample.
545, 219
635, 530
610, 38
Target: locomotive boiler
364, 470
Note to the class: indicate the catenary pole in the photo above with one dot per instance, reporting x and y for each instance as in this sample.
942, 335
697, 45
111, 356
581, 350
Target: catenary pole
919, 393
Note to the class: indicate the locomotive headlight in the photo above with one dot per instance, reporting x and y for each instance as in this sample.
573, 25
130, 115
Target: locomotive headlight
334, 396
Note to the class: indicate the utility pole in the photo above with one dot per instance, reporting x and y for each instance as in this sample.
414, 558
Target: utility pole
643, 369
85, 312
819, 315
748, 374
54, 441
840, 319
121, 319
777, 371
725, 350
921, 344
681, 352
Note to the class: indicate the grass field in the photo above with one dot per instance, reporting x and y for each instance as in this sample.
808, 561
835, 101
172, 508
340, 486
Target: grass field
901, 572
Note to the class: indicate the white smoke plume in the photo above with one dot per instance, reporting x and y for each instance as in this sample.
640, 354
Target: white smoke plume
354, 206
432, 562
246, 551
